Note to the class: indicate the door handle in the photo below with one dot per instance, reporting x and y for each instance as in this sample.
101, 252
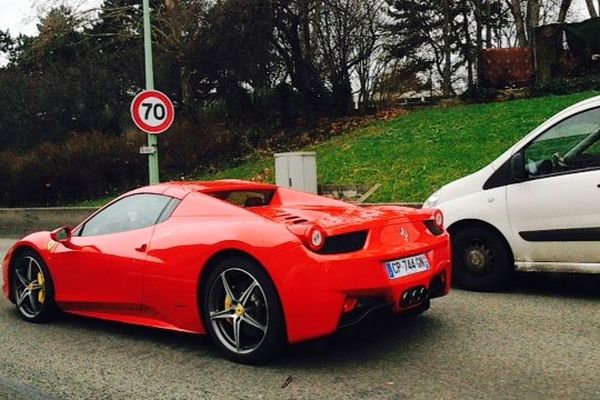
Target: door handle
142, 248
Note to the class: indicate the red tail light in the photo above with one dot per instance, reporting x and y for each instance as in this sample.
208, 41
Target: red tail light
438, 218
314, 238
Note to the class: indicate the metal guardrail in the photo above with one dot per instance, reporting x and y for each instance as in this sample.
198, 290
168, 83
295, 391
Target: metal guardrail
16, 222
21, 221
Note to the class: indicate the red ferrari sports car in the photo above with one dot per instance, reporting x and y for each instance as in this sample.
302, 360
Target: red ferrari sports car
250, 264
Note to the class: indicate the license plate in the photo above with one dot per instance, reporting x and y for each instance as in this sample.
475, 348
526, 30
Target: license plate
406, 266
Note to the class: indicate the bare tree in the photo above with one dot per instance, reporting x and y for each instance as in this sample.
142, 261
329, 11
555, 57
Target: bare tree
533, 18
591, 8
179, 26
373, 61
526, 23
469, 51
517, 12
447, 72
347, 32
294, 43
564, 9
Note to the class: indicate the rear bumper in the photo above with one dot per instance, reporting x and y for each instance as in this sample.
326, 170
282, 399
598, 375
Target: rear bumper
313, 288
5, 275
412, 298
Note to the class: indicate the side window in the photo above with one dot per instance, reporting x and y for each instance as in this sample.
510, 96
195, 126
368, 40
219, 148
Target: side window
133, 212
572, 144
245, 198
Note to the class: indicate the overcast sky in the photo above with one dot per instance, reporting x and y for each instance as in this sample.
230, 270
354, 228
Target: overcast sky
16, 16
19, 16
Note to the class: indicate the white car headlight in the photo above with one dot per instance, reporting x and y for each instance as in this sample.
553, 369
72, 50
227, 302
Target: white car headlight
432, 201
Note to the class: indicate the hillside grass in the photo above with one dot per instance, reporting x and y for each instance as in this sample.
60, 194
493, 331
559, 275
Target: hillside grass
415, 154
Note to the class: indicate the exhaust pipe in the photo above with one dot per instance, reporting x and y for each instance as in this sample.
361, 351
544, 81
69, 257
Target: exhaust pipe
414, 296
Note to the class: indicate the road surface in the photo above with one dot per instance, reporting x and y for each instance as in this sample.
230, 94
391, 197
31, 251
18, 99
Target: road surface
538, 340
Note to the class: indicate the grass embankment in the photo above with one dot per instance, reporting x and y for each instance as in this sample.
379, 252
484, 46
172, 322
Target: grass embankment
415, 154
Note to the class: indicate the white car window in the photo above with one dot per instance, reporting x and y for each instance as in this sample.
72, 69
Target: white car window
571, 145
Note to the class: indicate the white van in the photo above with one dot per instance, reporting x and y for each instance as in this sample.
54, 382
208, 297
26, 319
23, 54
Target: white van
535, 208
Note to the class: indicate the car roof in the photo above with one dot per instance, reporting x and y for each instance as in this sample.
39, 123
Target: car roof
180, 189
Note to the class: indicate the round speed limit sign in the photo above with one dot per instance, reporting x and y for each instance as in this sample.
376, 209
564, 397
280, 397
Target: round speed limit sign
152, 111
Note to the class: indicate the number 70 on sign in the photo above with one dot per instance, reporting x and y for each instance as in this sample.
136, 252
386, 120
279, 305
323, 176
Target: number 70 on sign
152, 111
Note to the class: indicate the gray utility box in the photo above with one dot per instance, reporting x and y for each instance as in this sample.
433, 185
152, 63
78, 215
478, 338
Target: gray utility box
297, 171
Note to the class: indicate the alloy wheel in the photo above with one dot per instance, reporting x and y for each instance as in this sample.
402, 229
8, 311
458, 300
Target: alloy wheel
29, 287
238, 311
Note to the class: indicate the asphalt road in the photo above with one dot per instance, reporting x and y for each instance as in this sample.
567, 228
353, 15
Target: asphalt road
538, 340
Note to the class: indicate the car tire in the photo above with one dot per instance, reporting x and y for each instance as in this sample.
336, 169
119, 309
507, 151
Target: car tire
32, 288
482, 261
244, 319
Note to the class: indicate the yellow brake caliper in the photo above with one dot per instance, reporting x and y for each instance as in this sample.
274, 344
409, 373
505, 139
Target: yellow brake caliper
42, 292
228, 306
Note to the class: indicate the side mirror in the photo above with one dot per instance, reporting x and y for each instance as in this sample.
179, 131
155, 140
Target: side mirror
517, 167
61, 235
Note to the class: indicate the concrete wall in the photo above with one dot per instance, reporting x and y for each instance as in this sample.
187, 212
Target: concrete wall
15, 222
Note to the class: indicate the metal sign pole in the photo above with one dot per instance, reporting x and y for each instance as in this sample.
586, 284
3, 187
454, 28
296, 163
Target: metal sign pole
152, 139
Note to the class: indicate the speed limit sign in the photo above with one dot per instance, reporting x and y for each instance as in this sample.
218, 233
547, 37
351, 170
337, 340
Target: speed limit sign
152, 111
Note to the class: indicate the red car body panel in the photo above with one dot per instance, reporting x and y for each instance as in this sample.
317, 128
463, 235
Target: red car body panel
153, 276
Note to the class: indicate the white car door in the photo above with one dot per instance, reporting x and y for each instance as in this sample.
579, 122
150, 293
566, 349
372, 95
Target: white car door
554, 211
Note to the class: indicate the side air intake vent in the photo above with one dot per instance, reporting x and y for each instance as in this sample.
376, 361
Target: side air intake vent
346, 243
433, 228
